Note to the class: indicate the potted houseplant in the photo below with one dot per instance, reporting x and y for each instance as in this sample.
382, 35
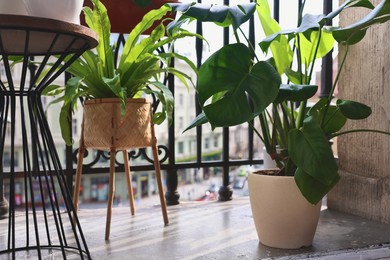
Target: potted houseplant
234, 88
138, 71
116, 116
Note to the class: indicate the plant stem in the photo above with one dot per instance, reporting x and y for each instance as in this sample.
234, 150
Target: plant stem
334, 85
300, 13
286, 126
299, 58
314, 57
265, 129
292, 114
359, 131
251, 47
236, 36
257, 132
301, 114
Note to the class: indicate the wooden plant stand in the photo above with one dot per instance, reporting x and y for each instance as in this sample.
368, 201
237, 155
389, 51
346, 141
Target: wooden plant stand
105, 129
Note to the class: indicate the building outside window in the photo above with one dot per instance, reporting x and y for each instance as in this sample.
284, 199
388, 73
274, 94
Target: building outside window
99, 189
7, 159
216, 142
180, 147
181, 122
206, 143
181, 99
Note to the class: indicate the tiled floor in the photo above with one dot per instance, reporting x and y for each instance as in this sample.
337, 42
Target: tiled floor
217, 230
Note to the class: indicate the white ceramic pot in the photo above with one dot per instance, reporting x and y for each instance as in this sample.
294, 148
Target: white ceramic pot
282, 216
12, 7
64, 10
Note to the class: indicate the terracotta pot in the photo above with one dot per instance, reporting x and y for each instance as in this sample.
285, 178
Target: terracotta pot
64, 10
125, 15
104, 127
282, 216
12, 7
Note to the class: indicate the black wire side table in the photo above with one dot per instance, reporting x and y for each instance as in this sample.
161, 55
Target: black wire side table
46, 226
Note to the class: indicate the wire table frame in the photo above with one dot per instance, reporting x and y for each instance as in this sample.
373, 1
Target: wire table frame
47, 224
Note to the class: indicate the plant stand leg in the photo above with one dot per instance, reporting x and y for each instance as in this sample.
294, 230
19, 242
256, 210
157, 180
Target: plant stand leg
110, 193
129, 184
159, 184
79, 171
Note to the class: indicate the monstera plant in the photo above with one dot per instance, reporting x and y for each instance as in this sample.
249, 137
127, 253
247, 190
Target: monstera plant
235, 87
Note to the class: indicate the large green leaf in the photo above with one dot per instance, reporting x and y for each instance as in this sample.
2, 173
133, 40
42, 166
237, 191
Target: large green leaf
296, 93
227, 78
312, 23
353, 110
219, 14
166, 98
309, 149
115, 85
312, 189
146, 45
133, 38
334, 119
281, 50
72, 93
313, 42
296, 77
309, 24
354, 33
347, 4
98, 21
309, 46
199, 120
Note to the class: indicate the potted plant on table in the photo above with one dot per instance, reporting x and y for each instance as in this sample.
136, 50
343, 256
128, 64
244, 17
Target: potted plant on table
235, 87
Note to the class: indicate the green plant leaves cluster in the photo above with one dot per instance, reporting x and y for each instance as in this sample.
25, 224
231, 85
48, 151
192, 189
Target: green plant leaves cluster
234, 87
233, 80
309, 149
218, 14
139, 72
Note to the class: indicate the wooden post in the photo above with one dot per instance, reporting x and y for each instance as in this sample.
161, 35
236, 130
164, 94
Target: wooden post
111, 192
129, 183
